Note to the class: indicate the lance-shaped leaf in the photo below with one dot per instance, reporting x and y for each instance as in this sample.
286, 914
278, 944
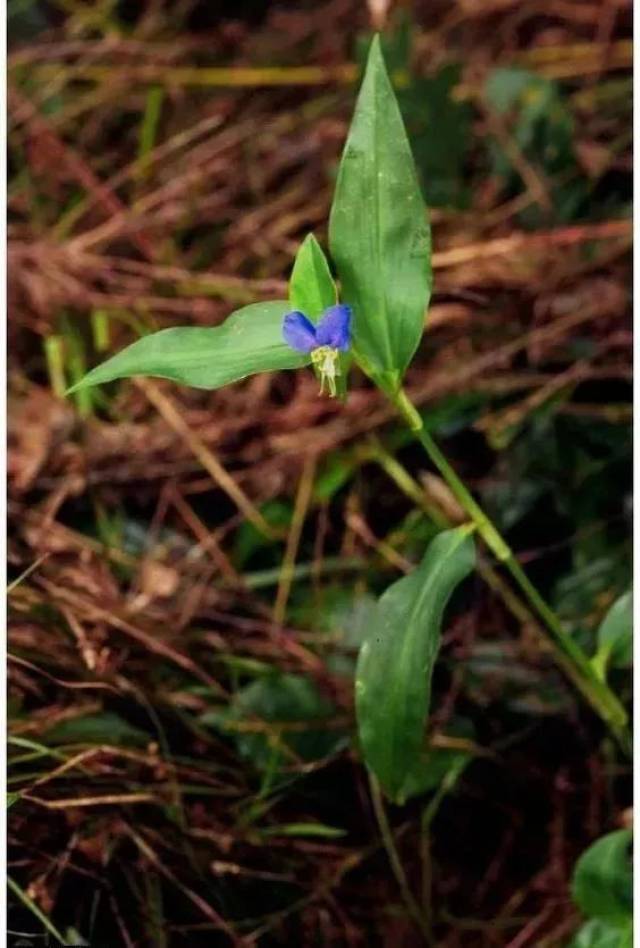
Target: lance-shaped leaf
393, 675
379, 233
249, 341
312, 290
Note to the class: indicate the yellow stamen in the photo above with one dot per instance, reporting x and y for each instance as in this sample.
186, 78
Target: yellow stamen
326, 361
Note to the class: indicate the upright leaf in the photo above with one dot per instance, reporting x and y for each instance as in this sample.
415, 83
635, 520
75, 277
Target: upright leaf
602, 882
393, 676
615, 636
312, 290
311, 286
249, 341
379, 233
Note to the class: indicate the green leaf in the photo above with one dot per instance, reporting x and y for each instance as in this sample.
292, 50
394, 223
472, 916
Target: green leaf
597, 934
318, 830
103, 728
311, 286
395, 664
615, 636
602, 884
249, 341
12, 797
379, 232
312, 290
273, 704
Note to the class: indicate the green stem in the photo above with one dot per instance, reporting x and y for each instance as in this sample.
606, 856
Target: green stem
428, 815
518, 608
395, 861
571, 657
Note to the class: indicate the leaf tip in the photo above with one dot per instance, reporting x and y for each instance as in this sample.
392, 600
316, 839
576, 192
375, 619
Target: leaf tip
85, 382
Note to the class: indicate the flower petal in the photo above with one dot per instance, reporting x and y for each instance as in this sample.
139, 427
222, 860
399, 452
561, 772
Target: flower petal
334, 328
299, 332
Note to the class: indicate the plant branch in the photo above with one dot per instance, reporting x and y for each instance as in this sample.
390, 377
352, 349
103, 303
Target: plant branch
568, 653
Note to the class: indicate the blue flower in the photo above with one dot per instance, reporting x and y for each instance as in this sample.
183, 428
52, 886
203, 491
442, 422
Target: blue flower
333, 329
323, 342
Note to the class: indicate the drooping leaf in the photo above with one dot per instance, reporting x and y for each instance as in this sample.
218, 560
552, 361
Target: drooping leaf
395, 664
249, 341
602, 884
615, 636
379, 232
311, 286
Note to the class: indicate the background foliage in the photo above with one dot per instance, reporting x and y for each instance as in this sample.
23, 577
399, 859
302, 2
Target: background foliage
192, 572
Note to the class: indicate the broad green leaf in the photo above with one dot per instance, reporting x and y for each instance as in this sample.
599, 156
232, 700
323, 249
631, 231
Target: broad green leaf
615, 636
12, 797
395, 664
597, 934
602, 884
249, 341
311, 286
379, 232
